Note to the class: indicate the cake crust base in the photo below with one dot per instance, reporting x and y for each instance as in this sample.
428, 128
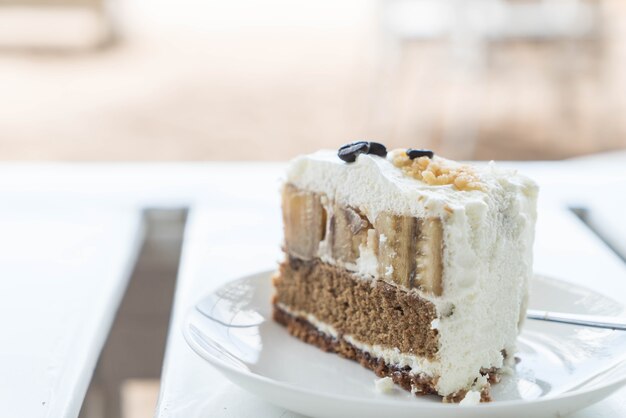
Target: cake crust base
418, 384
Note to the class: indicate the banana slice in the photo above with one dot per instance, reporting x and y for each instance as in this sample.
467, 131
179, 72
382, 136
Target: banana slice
348, 231
430, 256
397, 248
410, 251
304, 219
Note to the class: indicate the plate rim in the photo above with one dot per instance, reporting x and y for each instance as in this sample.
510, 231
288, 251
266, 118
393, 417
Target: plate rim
611, 386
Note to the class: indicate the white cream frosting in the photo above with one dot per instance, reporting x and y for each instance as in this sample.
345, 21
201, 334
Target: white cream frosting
384, 385
472, 397
487, 258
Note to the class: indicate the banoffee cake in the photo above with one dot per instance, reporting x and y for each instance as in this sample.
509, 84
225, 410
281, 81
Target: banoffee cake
413, 265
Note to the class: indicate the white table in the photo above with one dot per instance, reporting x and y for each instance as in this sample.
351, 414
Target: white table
63, 272
236, 234
56, 307
69, 237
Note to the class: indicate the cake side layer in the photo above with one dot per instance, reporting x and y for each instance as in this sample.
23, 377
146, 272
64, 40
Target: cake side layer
404, 250
373, 311
417, 383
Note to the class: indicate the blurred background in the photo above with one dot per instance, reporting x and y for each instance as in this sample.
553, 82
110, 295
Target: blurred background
127, 80
198, 80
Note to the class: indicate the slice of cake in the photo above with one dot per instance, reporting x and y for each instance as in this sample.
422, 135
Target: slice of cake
413, 265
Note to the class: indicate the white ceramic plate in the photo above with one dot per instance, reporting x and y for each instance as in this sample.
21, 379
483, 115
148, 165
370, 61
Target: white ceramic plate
562, 368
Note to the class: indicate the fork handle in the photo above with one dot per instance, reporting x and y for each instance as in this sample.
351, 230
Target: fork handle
609, 322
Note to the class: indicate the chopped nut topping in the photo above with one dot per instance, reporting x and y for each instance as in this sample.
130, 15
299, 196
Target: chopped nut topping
437, 171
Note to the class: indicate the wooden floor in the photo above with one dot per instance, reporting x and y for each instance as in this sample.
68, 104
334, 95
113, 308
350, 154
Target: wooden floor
126, 381
139, 397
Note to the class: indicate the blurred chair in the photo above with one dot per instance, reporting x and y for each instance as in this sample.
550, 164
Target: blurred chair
518, 79
56, 25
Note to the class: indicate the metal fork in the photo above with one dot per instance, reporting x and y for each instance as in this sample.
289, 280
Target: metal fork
609, 322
